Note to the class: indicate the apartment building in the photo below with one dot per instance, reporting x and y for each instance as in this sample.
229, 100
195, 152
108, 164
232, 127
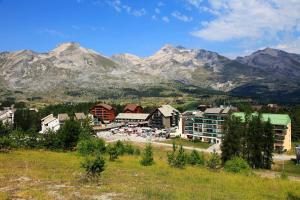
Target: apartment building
205, 126
164, 117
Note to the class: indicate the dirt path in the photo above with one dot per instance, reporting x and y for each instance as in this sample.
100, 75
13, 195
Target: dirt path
273, 174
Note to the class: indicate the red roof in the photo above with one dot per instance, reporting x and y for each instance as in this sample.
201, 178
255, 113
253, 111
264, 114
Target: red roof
108, 107
131, 107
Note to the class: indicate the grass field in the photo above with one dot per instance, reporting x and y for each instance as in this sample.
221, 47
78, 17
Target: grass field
188, 143
47, 175
289, 168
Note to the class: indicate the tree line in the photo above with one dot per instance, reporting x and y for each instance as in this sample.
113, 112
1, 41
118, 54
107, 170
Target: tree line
251, 140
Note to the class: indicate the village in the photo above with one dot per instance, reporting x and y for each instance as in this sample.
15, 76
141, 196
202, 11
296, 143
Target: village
205, 124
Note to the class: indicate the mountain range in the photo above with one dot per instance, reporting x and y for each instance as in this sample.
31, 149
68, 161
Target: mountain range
70, 70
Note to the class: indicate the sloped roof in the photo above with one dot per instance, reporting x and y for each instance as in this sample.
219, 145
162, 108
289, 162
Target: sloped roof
106, 106
167, 110
133, 116
275, 119
63, 117
48, 116
131, 107
213, 110
80, 116
48, 119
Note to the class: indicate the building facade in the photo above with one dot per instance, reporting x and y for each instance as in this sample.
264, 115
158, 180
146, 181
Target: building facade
103, 112
205, 126
133, 108
164, 117
138, 119
49, 123
7, 116
282, 128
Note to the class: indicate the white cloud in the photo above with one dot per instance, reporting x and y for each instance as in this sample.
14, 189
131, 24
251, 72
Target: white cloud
291, 47
181, 17
119, 7
195, 3
255, 19
165, 19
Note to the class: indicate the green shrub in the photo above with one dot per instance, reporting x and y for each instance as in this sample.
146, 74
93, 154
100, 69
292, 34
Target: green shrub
171, 156
50, 140
237, 165
137, 152
129, 149
91, 146
113, 153
94, 166
5, 144
196, 159
180, 159
292, 196
147, 157
214, 161
120, 147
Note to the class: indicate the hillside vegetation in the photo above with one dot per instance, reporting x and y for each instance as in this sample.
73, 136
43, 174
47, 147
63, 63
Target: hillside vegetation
38, 174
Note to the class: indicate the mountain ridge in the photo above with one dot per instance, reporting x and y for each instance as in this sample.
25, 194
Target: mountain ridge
71, 67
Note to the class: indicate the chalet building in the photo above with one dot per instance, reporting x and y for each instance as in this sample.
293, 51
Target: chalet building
137, 119
80, 116
103, 112
7, 115
205, 126
49, 123
282, 128
133, 108
62, 118
164, 117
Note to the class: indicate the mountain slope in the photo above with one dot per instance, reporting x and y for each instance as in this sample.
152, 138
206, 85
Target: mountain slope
71, 70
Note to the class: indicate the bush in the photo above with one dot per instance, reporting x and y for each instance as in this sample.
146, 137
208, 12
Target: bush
196, 159
69, 134
91, 146
237, 165
50, 140
120, 147
180, 160
171, 156
214, 161
137, 152
147, 158
5, 144
94, 166
113, 153
129, 149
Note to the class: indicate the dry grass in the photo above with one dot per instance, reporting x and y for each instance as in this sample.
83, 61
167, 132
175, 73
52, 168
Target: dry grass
51, 175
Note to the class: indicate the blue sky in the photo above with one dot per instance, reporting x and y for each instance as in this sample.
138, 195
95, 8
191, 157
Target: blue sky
141, 27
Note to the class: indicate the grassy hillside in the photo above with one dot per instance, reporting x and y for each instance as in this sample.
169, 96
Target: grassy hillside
50, 175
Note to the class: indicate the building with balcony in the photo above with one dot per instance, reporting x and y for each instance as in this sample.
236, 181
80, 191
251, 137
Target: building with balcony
282, 128
103, 112
164, 117
205, 126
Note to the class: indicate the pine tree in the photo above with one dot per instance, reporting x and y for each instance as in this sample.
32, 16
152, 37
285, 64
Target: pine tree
147, 157
113, 153
171, 156
195, 158
231, 141
268, 145
180, 160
